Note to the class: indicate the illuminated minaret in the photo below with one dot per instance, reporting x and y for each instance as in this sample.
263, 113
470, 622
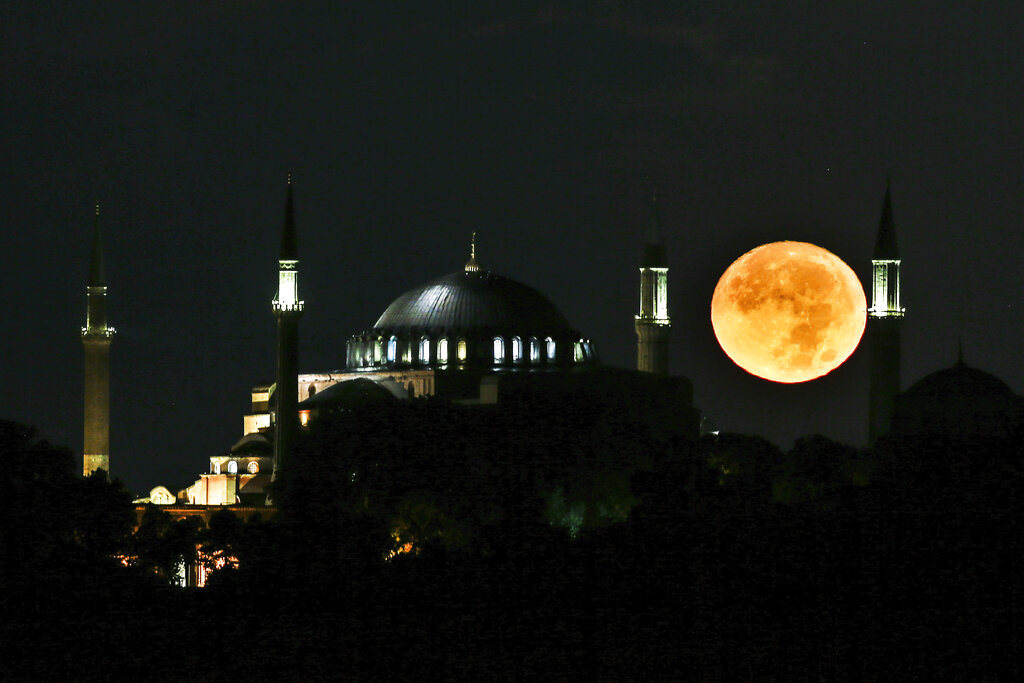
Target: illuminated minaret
287, 309
884, 319
653, 324
96, 338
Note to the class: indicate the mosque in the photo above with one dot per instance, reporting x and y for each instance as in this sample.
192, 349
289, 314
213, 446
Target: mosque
473, 336
476, 337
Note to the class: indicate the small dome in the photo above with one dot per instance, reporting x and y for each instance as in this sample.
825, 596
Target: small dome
958, 403
473, 300
353, 393
253, 444
959, 381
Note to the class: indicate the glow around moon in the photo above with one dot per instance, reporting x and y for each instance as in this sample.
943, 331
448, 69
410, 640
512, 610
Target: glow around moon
789, 311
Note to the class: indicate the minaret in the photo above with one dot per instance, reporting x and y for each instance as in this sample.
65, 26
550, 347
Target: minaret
287, 309
885, 317
653, 324
96, 338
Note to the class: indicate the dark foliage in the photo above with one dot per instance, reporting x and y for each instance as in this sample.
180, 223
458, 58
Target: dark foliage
821, 563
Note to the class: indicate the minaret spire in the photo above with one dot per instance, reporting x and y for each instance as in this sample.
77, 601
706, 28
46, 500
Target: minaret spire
289, 242
97, 336
97, 276
884, 321
288, 309
652, 323
471, 265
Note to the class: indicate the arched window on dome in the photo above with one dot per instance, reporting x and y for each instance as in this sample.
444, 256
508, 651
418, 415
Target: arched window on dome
499, 350
392, 349
517, 349
233, 467
461, 351
377, 348
424, 350
442, 350
534, 350
550, 343
577, 352
311, 391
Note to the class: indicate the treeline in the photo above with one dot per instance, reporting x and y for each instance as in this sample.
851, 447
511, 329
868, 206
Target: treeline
553, 539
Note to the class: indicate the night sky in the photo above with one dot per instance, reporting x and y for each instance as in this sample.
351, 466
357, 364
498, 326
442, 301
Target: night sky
543, 127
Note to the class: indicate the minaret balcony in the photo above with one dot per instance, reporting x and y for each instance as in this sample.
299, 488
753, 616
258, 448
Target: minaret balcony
883, 312
98, 332
653, 321
288, 306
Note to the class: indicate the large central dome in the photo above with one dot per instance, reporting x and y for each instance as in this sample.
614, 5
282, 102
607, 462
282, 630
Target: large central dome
473, 300
470, 318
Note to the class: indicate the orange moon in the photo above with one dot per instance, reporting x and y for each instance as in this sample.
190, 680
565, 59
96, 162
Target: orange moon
788, 311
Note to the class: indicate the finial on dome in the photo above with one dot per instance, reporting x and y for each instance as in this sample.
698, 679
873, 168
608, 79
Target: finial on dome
960, 353
471, 265
97, 207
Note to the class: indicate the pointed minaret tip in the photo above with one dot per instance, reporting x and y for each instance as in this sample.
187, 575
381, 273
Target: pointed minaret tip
289, 241
471, 265
654, 255
886, 246
97, 276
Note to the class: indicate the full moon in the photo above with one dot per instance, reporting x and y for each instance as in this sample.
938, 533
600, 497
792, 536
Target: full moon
788, 311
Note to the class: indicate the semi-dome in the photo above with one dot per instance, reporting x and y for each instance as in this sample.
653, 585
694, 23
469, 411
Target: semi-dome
472, 317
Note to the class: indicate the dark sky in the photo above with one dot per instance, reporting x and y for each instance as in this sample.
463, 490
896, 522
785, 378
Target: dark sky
544, 127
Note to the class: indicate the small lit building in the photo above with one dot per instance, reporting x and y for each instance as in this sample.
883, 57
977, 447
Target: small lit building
239, 477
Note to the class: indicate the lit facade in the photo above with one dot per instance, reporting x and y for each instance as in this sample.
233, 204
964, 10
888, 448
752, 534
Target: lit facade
231, 480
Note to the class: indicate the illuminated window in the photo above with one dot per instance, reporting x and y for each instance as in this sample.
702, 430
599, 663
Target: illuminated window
517, 349
534, 350
216, 468
551, 348
253, 467
303, 417
577, 352
462, 350
376, 351
232, 467
424, 350
499, 350
442, 350
392, 349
